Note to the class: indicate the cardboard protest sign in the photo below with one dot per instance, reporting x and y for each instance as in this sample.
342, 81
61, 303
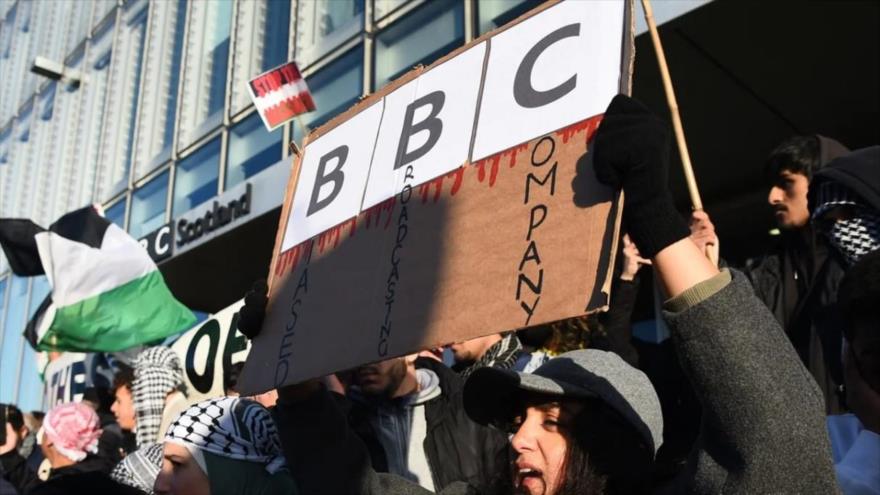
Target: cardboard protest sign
280, 94
456, 202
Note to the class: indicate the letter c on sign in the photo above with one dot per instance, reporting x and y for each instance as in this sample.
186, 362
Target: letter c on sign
523, 91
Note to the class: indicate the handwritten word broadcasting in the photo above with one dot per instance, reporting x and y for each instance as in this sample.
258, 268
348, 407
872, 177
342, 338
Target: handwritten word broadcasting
394, 275
541, 154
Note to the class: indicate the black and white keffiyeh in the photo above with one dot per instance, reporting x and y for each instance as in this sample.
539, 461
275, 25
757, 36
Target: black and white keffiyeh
140, 468
157, 372
855, 236
230, 427
501, 354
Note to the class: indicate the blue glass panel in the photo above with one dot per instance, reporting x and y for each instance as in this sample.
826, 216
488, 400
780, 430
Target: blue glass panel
116, 213
195, 180
334, 89
30, 391
148, 206
251, 149
419, 38
495, 13
13, 326
277, 33
219, 57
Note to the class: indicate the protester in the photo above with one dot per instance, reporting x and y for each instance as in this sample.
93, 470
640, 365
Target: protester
798, 281
157, 392
24, 436
224, 446
110, 444
123, 406
586, 422
69, 441
140, 468
498, 350
408, 411
855, 437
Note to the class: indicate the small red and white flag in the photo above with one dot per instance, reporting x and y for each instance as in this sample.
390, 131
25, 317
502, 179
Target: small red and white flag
280, 94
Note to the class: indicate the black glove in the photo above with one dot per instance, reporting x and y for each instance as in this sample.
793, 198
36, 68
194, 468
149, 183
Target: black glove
632, 152
251, 315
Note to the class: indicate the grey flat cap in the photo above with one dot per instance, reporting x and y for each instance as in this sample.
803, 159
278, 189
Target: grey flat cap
586, 373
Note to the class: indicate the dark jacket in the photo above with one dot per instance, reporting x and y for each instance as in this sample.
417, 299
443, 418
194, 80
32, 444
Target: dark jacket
798, 282
80, 478
457, 449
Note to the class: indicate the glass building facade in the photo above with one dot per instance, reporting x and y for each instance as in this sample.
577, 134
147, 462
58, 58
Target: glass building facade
152, 116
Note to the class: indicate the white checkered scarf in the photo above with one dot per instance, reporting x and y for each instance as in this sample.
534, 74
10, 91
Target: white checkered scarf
230, 427
853, 237
156, 373
140, 468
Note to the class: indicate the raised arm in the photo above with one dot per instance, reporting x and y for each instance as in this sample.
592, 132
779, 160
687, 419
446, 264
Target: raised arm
763, 426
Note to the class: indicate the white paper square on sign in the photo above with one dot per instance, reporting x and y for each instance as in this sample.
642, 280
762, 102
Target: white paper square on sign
453, 87
342, 156
550, 71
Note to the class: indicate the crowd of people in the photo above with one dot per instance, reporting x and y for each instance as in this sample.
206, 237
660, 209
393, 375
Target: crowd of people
769, 383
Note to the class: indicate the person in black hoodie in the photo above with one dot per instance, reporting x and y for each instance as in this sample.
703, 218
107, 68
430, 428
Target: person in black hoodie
798, 280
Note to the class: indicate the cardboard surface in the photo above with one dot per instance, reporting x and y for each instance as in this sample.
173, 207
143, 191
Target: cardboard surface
522, 237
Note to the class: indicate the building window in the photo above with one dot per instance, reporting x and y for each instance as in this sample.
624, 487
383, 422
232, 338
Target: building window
30, 388
262, 37
122, 98
495, 13
419, 38
334, 89
13, 325
148, 206
161, 80
322, 25
195, 180
89, 116
204, 73
382, 8
116, 213
251, 149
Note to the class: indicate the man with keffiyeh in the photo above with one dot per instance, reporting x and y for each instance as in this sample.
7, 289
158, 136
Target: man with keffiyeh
69, 440
157, 393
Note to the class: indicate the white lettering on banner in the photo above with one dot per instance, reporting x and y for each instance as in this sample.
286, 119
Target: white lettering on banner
205, 351
209, 348
64, 379
333, 177
427, 124
543, 74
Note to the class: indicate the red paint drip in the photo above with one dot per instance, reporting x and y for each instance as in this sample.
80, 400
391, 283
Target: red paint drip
456, 174
588, 125
289, 259
372, 216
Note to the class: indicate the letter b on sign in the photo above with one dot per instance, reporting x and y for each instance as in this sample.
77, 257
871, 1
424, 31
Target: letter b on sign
338, 156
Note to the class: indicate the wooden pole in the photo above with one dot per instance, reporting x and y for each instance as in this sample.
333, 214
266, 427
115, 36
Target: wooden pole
673, 108
712, 250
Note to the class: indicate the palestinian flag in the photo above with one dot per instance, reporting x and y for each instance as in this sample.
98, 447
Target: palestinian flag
107, 294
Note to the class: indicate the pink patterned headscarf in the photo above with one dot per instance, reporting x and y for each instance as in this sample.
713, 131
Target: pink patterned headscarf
74, 429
